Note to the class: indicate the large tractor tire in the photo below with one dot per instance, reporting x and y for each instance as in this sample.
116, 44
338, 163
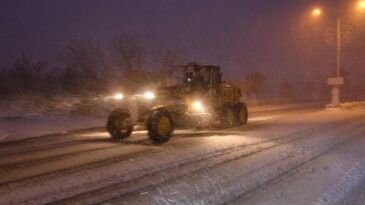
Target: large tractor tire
160, 126
241, 113
228, 116
119, 124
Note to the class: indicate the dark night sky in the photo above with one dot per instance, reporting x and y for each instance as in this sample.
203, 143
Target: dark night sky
278, 38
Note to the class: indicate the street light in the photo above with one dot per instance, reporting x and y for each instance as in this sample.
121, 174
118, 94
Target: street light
335, 82
316, 12
362, 4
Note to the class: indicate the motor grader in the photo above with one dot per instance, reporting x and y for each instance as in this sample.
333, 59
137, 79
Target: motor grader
200, 99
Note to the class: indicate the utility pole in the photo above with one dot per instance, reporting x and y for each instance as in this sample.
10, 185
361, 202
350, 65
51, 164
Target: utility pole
337, 81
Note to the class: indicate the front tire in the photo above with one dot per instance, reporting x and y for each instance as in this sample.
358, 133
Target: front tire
160, 126
119, 124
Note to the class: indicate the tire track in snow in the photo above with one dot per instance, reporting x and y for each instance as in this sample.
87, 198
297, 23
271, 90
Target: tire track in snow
262, 188
139, 183
36, 162
108, 162
349, 184
57, 140
284, 166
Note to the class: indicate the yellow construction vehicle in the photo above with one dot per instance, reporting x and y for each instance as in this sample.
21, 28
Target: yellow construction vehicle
200, 99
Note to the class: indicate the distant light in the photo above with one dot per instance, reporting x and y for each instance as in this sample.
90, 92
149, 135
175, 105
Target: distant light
198, 106
149, 95
316, 12
189, 79
118, 96
362, 4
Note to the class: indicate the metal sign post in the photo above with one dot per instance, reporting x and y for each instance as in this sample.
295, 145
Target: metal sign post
335, 91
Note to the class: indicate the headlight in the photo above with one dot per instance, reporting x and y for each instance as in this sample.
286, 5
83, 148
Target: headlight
118, 96
149, 95
198, 106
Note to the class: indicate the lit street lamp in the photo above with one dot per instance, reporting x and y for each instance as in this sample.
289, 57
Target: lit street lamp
337, 81
362, 4
316, 12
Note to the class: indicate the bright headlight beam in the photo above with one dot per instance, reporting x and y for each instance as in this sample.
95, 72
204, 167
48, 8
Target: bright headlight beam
149, 95
198, 106
118, 96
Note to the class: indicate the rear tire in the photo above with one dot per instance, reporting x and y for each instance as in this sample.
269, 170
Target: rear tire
160, 126
228, 116
119, 124
241, 113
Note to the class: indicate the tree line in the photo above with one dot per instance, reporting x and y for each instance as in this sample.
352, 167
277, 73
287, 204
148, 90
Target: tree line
87, 67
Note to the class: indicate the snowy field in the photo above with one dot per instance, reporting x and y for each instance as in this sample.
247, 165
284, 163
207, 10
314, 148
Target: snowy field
37, 125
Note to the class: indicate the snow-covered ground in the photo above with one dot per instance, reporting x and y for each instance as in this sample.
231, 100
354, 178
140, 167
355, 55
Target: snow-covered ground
16, 128
20, 119
16, 124
301, 156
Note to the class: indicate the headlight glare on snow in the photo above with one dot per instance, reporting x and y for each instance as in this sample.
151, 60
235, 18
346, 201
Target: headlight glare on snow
149, 95
118, 96
198, 106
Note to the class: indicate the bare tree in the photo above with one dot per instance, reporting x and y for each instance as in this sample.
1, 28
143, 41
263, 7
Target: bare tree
132, 54
163, 57
286, 91
254, 83
4, 82
129, 52
85, 65
26, 74
310, 90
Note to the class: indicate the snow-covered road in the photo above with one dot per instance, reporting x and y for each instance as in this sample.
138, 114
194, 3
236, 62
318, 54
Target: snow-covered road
308, 156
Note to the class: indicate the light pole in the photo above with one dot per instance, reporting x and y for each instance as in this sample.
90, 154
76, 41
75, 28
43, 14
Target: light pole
337, 81
338, 46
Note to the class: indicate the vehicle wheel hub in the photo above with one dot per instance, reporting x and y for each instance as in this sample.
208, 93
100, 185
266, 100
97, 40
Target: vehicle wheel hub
164, 126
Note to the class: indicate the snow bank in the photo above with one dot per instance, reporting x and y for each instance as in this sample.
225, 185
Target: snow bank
347, 105
17, 128
37, 115
277, 107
